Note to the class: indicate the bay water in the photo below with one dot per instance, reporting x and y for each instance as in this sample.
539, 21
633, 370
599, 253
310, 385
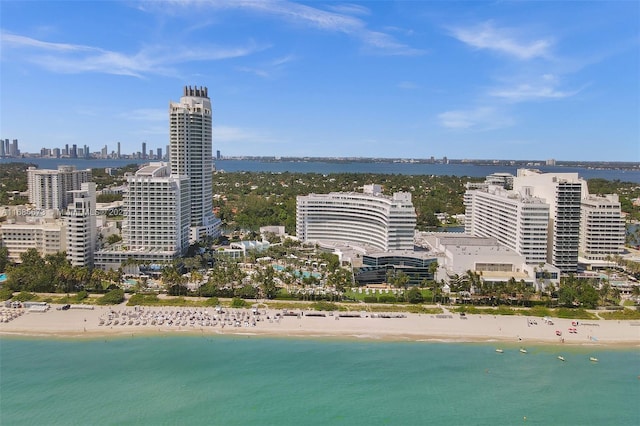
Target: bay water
242, 380
328, 167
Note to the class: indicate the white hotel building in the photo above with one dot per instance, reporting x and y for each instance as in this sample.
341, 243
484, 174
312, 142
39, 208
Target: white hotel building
158, 217
576, 223
516, 220
370, 219
46, 235
602, 228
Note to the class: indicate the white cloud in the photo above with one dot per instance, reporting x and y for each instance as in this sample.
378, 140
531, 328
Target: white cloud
481, 118
269, 69
350, 8
503, 40
337, 19
16, 41
544, 87
526, 92
75, 58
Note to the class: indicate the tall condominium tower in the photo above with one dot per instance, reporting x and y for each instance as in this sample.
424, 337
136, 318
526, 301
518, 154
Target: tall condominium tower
563, 193
50, 189
190, 155
80, 219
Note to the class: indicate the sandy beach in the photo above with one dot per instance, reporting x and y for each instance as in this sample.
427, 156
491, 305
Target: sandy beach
450, 327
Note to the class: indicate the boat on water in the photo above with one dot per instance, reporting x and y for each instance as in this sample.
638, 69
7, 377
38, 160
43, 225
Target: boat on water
593, 359
523, 350
499, 351
560, 357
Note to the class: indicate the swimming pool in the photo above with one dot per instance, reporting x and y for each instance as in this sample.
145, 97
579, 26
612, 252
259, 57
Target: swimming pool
3, 277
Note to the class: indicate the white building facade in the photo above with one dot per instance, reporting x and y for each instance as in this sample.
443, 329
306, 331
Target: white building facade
157, 219
50, 189
602, 227
563, 193
369, 218
157, 209
46, 236
80, 218
516, 220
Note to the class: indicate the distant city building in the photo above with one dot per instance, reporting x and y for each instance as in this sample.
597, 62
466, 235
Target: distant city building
144, 150
191, 155
370, 218
9, 149
13, 149
50, 189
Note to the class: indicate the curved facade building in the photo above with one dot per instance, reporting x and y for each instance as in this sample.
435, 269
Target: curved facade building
369, 218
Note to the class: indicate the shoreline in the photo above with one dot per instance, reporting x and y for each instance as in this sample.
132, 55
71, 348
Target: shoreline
499, 330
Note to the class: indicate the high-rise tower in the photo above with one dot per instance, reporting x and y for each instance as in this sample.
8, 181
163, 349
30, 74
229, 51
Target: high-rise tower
190, 155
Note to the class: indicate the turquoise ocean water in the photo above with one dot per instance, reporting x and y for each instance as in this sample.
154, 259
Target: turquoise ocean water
187, 380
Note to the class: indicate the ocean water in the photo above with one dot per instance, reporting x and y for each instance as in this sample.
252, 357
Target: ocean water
242, 380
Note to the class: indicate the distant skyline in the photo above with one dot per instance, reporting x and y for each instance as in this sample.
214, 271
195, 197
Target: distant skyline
407, 79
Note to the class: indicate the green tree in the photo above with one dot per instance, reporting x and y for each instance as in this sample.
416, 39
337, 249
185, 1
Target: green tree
415, 296
4, 258
267, 283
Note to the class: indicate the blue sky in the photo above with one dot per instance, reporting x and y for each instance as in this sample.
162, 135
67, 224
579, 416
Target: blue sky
409, 79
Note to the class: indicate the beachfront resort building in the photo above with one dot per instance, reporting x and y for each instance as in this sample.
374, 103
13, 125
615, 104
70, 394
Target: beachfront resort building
459, 253
49, 231
371, 219
576, 222
602, 229
20, 232
157, 218
515, 219
190, 155
563, 193
51, 189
